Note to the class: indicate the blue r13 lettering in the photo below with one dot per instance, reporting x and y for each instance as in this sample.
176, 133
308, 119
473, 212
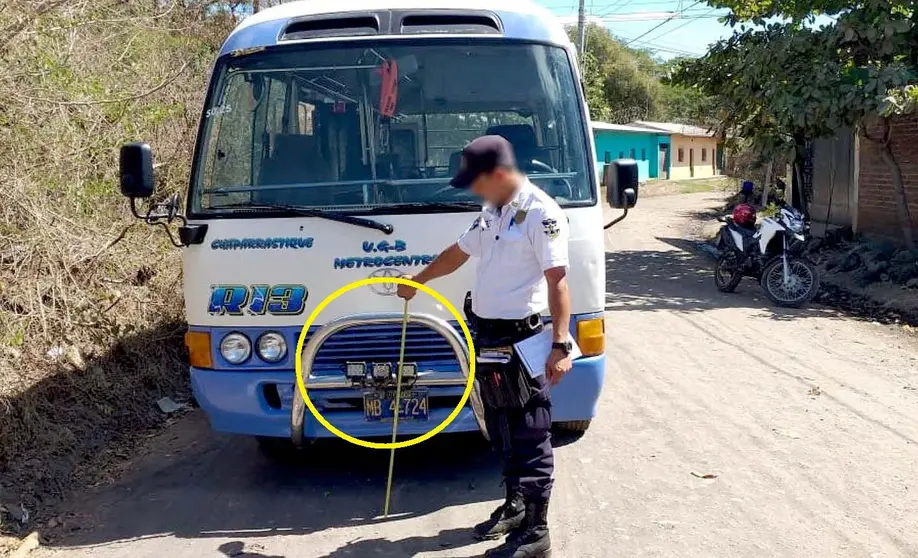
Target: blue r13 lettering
276, 300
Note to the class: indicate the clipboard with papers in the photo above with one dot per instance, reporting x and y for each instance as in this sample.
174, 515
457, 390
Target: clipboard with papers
534, 351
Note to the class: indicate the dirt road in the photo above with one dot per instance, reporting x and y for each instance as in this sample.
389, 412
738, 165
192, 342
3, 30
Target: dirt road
727, 428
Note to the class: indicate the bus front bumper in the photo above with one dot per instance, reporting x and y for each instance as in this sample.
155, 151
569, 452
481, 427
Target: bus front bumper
259, 403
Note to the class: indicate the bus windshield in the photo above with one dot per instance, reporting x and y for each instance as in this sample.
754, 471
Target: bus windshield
379, 126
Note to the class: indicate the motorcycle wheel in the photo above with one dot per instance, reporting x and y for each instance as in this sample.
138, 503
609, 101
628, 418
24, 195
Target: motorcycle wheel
802, 285
726, 273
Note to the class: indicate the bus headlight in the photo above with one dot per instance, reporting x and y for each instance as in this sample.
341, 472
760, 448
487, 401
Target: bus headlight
236, 348
271, 347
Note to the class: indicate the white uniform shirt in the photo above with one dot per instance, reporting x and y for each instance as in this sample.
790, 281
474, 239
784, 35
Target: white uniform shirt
515, 245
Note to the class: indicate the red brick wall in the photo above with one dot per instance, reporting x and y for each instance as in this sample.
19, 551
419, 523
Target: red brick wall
876, 199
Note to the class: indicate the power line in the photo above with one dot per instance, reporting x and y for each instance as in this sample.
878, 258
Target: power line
652, 16
614, 6
665, 47
671, 30
675, 51
661, 45
571, 19
603, 7
664, 22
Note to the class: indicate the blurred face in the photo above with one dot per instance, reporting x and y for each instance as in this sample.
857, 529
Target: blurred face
495, 187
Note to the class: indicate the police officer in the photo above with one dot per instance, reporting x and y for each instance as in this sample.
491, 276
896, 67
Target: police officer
520, 239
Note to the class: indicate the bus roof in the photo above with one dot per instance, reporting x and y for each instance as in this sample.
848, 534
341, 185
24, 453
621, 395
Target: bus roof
521, 19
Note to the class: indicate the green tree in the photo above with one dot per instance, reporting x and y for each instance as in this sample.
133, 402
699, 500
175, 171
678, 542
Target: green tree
779, 84
621, 83
624, 84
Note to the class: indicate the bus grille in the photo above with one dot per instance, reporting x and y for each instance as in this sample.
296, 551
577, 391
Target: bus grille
380, 343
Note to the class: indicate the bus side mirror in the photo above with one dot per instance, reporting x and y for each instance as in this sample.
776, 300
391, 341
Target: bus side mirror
620, 178
136, 169
136, 162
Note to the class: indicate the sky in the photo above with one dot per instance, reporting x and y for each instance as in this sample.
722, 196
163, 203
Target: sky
671, 28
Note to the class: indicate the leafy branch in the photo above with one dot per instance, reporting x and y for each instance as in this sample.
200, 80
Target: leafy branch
777, 85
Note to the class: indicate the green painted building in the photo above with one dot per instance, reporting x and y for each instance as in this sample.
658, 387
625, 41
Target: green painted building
650, 148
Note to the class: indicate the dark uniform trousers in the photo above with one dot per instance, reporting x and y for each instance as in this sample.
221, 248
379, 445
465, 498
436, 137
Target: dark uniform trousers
517, 410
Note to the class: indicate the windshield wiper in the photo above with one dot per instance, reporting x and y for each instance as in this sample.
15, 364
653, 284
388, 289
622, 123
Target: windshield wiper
311, 212
456, 206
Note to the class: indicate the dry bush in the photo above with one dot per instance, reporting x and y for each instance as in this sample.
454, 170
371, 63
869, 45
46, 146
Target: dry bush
90, 303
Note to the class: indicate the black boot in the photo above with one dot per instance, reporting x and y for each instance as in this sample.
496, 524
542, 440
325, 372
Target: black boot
507, 517
529, 541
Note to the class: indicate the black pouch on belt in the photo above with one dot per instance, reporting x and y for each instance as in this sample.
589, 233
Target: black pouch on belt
503, 380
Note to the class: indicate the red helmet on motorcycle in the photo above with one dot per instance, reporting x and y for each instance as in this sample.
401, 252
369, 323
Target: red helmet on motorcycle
744, 215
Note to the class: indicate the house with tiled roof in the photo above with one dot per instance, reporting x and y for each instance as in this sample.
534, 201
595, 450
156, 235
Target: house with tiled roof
692, 152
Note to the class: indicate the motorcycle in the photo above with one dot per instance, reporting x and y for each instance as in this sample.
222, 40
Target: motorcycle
770, 252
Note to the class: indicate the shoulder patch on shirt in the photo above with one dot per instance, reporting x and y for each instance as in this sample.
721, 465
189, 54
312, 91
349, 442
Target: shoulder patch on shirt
550, 228
475, 224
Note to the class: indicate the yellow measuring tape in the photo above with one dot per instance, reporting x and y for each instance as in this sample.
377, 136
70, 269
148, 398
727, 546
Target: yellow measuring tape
398, 406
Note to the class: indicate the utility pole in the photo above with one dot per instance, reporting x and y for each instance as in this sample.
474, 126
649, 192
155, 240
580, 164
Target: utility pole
581, 29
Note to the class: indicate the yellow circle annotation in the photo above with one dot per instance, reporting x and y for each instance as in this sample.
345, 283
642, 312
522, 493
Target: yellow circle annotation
301, 385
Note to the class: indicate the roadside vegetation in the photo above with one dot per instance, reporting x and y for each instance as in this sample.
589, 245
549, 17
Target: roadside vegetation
91, 318
781, 81
624, 84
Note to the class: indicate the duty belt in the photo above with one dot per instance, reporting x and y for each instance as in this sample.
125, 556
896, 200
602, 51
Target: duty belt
514, 330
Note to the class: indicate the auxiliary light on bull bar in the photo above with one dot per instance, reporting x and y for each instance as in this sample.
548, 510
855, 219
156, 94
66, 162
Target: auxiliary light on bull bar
382, 370
409, 371
356, 371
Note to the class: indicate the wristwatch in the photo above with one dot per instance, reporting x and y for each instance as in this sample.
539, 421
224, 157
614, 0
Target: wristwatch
565, 347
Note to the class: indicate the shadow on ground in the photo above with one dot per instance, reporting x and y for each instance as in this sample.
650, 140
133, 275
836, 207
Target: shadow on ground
79, 416
190, 483
681, 280
410, 546
357, 548
195, 484
703, 215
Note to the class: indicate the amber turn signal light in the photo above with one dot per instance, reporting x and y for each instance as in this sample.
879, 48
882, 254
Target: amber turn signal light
591, 336
198, 343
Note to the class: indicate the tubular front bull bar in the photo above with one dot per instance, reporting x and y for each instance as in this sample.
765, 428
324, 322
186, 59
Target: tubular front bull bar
455, 340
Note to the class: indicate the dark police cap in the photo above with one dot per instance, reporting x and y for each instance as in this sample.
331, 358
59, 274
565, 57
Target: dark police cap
481, 156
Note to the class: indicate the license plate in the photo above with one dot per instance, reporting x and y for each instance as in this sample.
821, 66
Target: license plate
381, 406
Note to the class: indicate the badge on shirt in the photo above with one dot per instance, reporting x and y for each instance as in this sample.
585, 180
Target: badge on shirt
520, 217
550, 227
480, 222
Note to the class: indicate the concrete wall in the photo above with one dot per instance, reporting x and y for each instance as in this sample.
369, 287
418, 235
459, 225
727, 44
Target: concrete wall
620, 144
876, 207
699, 157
